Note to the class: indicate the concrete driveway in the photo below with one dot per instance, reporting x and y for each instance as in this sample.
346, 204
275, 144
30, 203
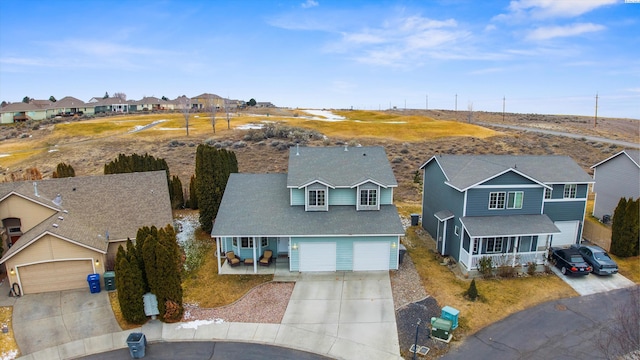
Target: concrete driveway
346, 315
593, 284
44, 320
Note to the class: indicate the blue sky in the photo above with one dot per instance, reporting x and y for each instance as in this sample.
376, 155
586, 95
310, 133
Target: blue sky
543, 56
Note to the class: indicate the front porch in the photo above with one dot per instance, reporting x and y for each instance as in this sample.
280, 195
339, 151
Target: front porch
471, 262
278, 265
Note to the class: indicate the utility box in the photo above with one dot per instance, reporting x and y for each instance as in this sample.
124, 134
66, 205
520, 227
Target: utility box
415, 219
136, 343
449, 313
441, 329
109, 280
401, 251
94, 283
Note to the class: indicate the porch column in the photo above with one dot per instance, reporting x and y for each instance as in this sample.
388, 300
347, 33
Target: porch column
471, 240
255, 261
515, 247
444, 236
218, 249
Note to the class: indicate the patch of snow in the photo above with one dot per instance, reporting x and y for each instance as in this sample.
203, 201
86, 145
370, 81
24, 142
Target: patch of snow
250, 126
52, 150
144, 127
9, 355
4, 155
196, 323
186, 228
324, 115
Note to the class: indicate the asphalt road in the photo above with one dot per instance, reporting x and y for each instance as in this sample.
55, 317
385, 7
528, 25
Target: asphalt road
563, 329
197, 350
575, 136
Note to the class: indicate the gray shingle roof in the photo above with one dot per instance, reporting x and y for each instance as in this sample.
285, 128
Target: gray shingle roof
464, 171
633, 154
68, 102
94, 205
513, 225
258, 205
339, 168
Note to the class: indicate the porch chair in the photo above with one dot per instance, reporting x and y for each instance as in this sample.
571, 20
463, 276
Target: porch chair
265, 259
232, 259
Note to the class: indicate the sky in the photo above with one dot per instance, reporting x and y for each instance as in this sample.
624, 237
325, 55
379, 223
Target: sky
532, 56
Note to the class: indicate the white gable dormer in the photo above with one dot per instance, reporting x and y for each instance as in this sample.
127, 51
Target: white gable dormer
368, 196
316, 197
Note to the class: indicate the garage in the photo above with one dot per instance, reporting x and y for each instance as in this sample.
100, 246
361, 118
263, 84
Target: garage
370, 256
568, 235
54, 276
317, 257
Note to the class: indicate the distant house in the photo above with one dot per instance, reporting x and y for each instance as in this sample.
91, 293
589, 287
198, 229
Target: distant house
19, 111
264, 104
150, 103
55, 232
112, 105
332, 211
615, 177
69, 106
206, 100
507, 208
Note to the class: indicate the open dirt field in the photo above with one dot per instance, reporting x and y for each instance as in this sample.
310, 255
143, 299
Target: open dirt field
90, 147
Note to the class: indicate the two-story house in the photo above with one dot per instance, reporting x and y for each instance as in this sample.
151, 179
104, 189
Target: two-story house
508, 208
55, 232
332, 211
616, 177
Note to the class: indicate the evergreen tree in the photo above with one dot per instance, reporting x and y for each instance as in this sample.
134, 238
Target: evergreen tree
150, 263
472, 292
177, 200
63, 171
193, 196
632, 226
213, 167
130, 287
617, 229
168, 266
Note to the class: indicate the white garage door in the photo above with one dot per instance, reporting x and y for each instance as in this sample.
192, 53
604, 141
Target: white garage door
317, 257
55, 276
370, 256
569, 233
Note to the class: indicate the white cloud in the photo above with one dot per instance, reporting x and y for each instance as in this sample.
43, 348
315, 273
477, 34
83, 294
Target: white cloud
309, 4
551, 32
520, 10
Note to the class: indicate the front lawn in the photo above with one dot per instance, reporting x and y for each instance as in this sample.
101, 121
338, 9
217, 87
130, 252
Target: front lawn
628, 267
499, 298
8, 345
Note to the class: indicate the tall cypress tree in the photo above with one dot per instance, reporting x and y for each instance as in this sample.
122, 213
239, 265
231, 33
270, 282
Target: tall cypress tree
632, 226
64, 170
150, 263
177, 199
617, 228
193, 197
130, 287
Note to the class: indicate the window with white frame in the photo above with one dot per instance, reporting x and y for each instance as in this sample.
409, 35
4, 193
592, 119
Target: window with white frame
476, 242
316, 197
369, 197
496, 200
548, 193
570, 191
514, 199
234, 242
264, 242
246, 242
494, 245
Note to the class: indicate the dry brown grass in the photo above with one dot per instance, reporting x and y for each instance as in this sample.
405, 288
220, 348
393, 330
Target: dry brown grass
499, 298
8, 346
629, 267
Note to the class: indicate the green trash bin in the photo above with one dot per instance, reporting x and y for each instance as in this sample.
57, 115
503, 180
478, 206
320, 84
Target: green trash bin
109, 281
441, 329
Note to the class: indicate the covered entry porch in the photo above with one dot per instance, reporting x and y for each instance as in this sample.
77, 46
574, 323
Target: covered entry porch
507, 240
250, 249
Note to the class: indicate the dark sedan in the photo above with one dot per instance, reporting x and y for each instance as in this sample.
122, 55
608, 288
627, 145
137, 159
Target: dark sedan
599, 260
569, 261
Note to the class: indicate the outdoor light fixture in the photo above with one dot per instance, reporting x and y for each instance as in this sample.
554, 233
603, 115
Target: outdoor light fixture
12, 272
295, 247
393, 245
97, 262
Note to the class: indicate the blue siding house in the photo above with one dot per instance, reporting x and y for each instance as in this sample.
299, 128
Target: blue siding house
332, 211
507, 208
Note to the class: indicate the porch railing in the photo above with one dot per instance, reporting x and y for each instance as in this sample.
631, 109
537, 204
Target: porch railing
508, 259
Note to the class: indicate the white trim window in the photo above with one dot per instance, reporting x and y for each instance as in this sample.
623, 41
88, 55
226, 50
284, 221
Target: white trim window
494, 245
246, 242
317, 198
496, 200
369, 197
514, 199
264, 242
476, 243
548, 193
570, 191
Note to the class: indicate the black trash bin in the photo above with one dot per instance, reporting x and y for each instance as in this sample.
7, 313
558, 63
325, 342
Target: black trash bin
415, 218
402, 250
137, 343
94, 283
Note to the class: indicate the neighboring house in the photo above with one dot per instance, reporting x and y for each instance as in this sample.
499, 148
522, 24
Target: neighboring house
264, 104
332, 211
19, 111
508, 208
616, 177
112, 104
55, 232
69, 106
150, 103
205, 101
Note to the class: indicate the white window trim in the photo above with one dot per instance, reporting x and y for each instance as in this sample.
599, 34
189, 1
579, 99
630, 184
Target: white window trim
360, 206
250, 243
456, 230
569, 187
497, 194
550, 192
495, 241
514, 201
316, 188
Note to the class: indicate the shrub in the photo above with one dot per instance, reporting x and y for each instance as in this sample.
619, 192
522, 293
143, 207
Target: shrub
506, 271
485, 267
472, 292
531, 268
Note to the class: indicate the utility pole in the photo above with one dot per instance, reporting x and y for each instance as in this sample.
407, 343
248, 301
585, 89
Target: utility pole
595, 119
405, 104
456, 108
427, 103
503, 100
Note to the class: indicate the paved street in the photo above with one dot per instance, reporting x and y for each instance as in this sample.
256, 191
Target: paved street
562, 329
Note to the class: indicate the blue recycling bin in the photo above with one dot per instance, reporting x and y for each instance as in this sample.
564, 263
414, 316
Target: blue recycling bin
136, 343
94, 283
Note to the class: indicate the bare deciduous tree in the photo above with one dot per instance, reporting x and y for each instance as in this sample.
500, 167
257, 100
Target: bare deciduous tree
185, 107
120, 95
622, 336
226, 109
213, 108
470, 114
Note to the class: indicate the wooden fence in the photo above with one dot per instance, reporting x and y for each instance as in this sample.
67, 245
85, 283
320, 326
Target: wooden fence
597, 233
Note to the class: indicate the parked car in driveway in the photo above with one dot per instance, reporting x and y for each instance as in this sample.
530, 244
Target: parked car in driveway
569, 261
599, 260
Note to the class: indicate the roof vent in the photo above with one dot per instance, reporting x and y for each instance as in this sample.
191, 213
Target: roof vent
60, 218
346, 147
55, 225
297, 149
65, 211
58, 200
35, 188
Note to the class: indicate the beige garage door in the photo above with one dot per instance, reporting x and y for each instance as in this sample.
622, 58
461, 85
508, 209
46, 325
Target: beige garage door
55, 276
